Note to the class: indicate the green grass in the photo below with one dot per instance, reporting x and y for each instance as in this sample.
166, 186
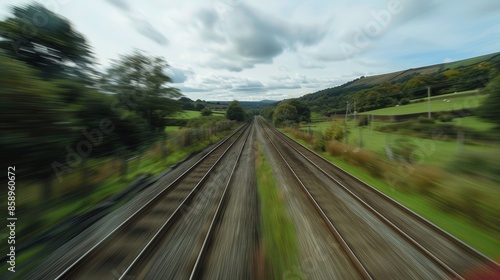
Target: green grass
449, 95
219, 112
483, 240
473, 122
279, 240
428, 151
187, 114
437, 105
171, 128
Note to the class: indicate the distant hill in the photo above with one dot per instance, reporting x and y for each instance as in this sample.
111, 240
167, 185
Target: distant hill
432, 69
247, 104
380, 91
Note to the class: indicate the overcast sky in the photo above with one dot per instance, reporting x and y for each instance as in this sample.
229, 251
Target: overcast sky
277, 49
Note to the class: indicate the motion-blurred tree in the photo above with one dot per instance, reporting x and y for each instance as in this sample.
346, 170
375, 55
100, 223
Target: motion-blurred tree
46, 41
489, 109
35, 123
140, 83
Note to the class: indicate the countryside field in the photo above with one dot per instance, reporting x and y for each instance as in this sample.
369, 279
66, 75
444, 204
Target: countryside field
434, 152
452, 103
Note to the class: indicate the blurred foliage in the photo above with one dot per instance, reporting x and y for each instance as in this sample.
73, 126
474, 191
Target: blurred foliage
206, 112
45, 41
140, 83
58, 113
35, 122
489, 109
484, 165
404, 149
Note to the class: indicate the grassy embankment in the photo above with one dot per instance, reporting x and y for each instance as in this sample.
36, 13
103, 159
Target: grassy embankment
279, 242
437, 152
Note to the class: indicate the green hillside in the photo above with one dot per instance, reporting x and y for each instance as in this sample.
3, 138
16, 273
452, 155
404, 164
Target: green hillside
443, 103
399, 88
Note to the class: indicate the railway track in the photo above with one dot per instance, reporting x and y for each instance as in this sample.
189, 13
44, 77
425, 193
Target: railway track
165, 257
117, 253
445, 252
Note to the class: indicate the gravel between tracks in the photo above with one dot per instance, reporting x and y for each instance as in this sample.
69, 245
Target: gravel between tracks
234, 253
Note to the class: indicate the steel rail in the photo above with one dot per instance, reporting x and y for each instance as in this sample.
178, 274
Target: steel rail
176, 214
381, 217
206, 242
338, 236
151, 201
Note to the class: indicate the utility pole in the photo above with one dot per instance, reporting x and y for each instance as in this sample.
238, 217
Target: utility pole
345, 122
355, 113
429, 102
361, 137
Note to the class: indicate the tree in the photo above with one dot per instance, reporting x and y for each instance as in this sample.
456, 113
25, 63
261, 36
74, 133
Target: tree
285, 112
206, 112
303, 111
235, 111
140, 83
199, 106
267, 112
489, 109
45, 41
35, 123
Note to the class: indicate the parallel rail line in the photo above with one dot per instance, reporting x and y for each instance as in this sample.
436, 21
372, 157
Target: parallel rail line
372, 194
421, 248
206, 164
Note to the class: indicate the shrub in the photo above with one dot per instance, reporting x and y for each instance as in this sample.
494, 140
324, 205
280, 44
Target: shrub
364, 120
404, 101
300, 134
369, 162
426, 179
446, 117
403, 149
335, 148
485, 165
206, 112
425, 120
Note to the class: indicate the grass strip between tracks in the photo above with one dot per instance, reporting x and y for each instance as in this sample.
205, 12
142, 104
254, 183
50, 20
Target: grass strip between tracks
278, 237
486, 242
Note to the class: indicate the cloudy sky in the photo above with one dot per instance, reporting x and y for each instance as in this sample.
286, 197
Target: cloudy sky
262, 49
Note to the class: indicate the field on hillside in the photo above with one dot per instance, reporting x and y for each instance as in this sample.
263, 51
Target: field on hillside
434, 152
448, 96
449, 103
187, 114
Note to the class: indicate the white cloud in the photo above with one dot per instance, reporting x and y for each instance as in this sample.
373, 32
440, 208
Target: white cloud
227, 49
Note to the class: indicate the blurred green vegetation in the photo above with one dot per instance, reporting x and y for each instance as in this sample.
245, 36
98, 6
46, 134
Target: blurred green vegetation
77, 135
279, 240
